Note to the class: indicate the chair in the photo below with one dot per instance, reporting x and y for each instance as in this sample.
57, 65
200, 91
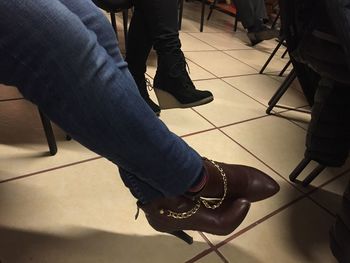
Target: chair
229, 9
281, 42
113, 7
50, 137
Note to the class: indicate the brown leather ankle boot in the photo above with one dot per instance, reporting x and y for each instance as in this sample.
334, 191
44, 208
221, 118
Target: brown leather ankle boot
242, 182
173, 215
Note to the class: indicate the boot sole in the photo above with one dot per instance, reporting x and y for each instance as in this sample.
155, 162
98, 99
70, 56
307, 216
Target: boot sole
168, 101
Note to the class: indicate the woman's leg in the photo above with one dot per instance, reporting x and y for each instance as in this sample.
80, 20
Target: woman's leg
57, 63
172, 83
97, 22
139, 45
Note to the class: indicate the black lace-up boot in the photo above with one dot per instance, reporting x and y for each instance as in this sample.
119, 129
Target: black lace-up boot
173, 86
143, 83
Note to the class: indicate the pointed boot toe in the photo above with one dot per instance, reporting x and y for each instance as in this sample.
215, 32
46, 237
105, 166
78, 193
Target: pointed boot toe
242, 182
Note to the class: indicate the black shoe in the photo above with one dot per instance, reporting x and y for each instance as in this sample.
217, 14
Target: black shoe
173, 86
264, 33
142, 84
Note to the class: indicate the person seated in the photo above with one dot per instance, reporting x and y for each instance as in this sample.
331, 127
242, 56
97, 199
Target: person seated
63, 56
252, 14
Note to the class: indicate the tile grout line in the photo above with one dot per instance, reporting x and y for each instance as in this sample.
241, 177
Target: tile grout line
307, 194
213, 246
277, 211
283, 178
258, 222
49, 170
344, 173
238, 49
200, 255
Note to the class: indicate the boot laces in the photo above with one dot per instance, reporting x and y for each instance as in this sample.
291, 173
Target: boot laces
149, 84
180, 71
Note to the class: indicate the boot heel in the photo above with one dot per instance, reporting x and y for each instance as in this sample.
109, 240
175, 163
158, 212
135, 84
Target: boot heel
183, 236
166, 100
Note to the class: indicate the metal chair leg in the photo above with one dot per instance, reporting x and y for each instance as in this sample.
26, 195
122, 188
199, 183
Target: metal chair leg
271, 56
236, 24
275, 21
202, 15
300, 167
50, 137
284, 53
285, 68
125, 25
212, 5
114, 23
181, 8
315, 172
281, 90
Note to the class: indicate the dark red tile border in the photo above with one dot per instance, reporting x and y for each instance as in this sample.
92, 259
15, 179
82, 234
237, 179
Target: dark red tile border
49, 170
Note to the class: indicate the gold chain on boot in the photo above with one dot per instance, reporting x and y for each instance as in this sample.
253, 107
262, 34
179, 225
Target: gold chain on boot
183, 215
207, 201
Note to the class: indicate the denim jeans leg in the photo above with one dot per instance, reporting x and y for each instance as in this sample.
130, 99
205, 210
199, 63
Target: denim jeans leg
95, 21
58, 64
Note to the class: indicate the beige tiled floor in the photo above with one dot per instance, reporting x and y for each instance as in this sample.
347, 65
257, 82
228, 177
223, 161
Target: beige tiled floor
74, 208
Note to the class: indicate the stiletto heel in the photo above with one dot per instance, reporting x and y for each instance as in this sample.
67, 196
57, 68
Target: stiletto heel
183, 236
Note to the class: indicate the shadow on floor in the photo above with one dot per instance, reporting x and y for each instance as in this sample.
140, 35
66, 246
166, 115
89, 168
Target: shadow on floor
92, 245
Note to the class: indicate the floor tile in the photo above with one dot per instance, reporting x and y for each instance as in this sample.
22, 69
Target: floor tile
301, 119
269, 46
279, 143
211, 258
262, 88
217, 146
229, 105
297, 234
257, 59
219, 63
23, 145
330, 196
82, 213
190, 43
221, 41
8, 92
184, 121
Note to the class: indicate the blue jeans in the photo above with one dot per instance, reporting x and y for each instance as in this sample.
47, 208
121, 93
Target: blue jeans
63, 56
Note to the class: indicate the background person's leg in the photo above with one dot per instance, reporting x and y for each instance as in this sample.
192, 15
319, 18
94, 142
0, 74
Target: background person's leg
172, 84
246, 9
260, 9
139, 46
57, 63
252, 13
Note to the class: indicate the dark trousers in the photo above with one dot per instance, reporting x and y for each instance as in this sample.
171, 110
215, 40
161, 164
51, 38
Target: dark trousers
154, 24
251, 12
